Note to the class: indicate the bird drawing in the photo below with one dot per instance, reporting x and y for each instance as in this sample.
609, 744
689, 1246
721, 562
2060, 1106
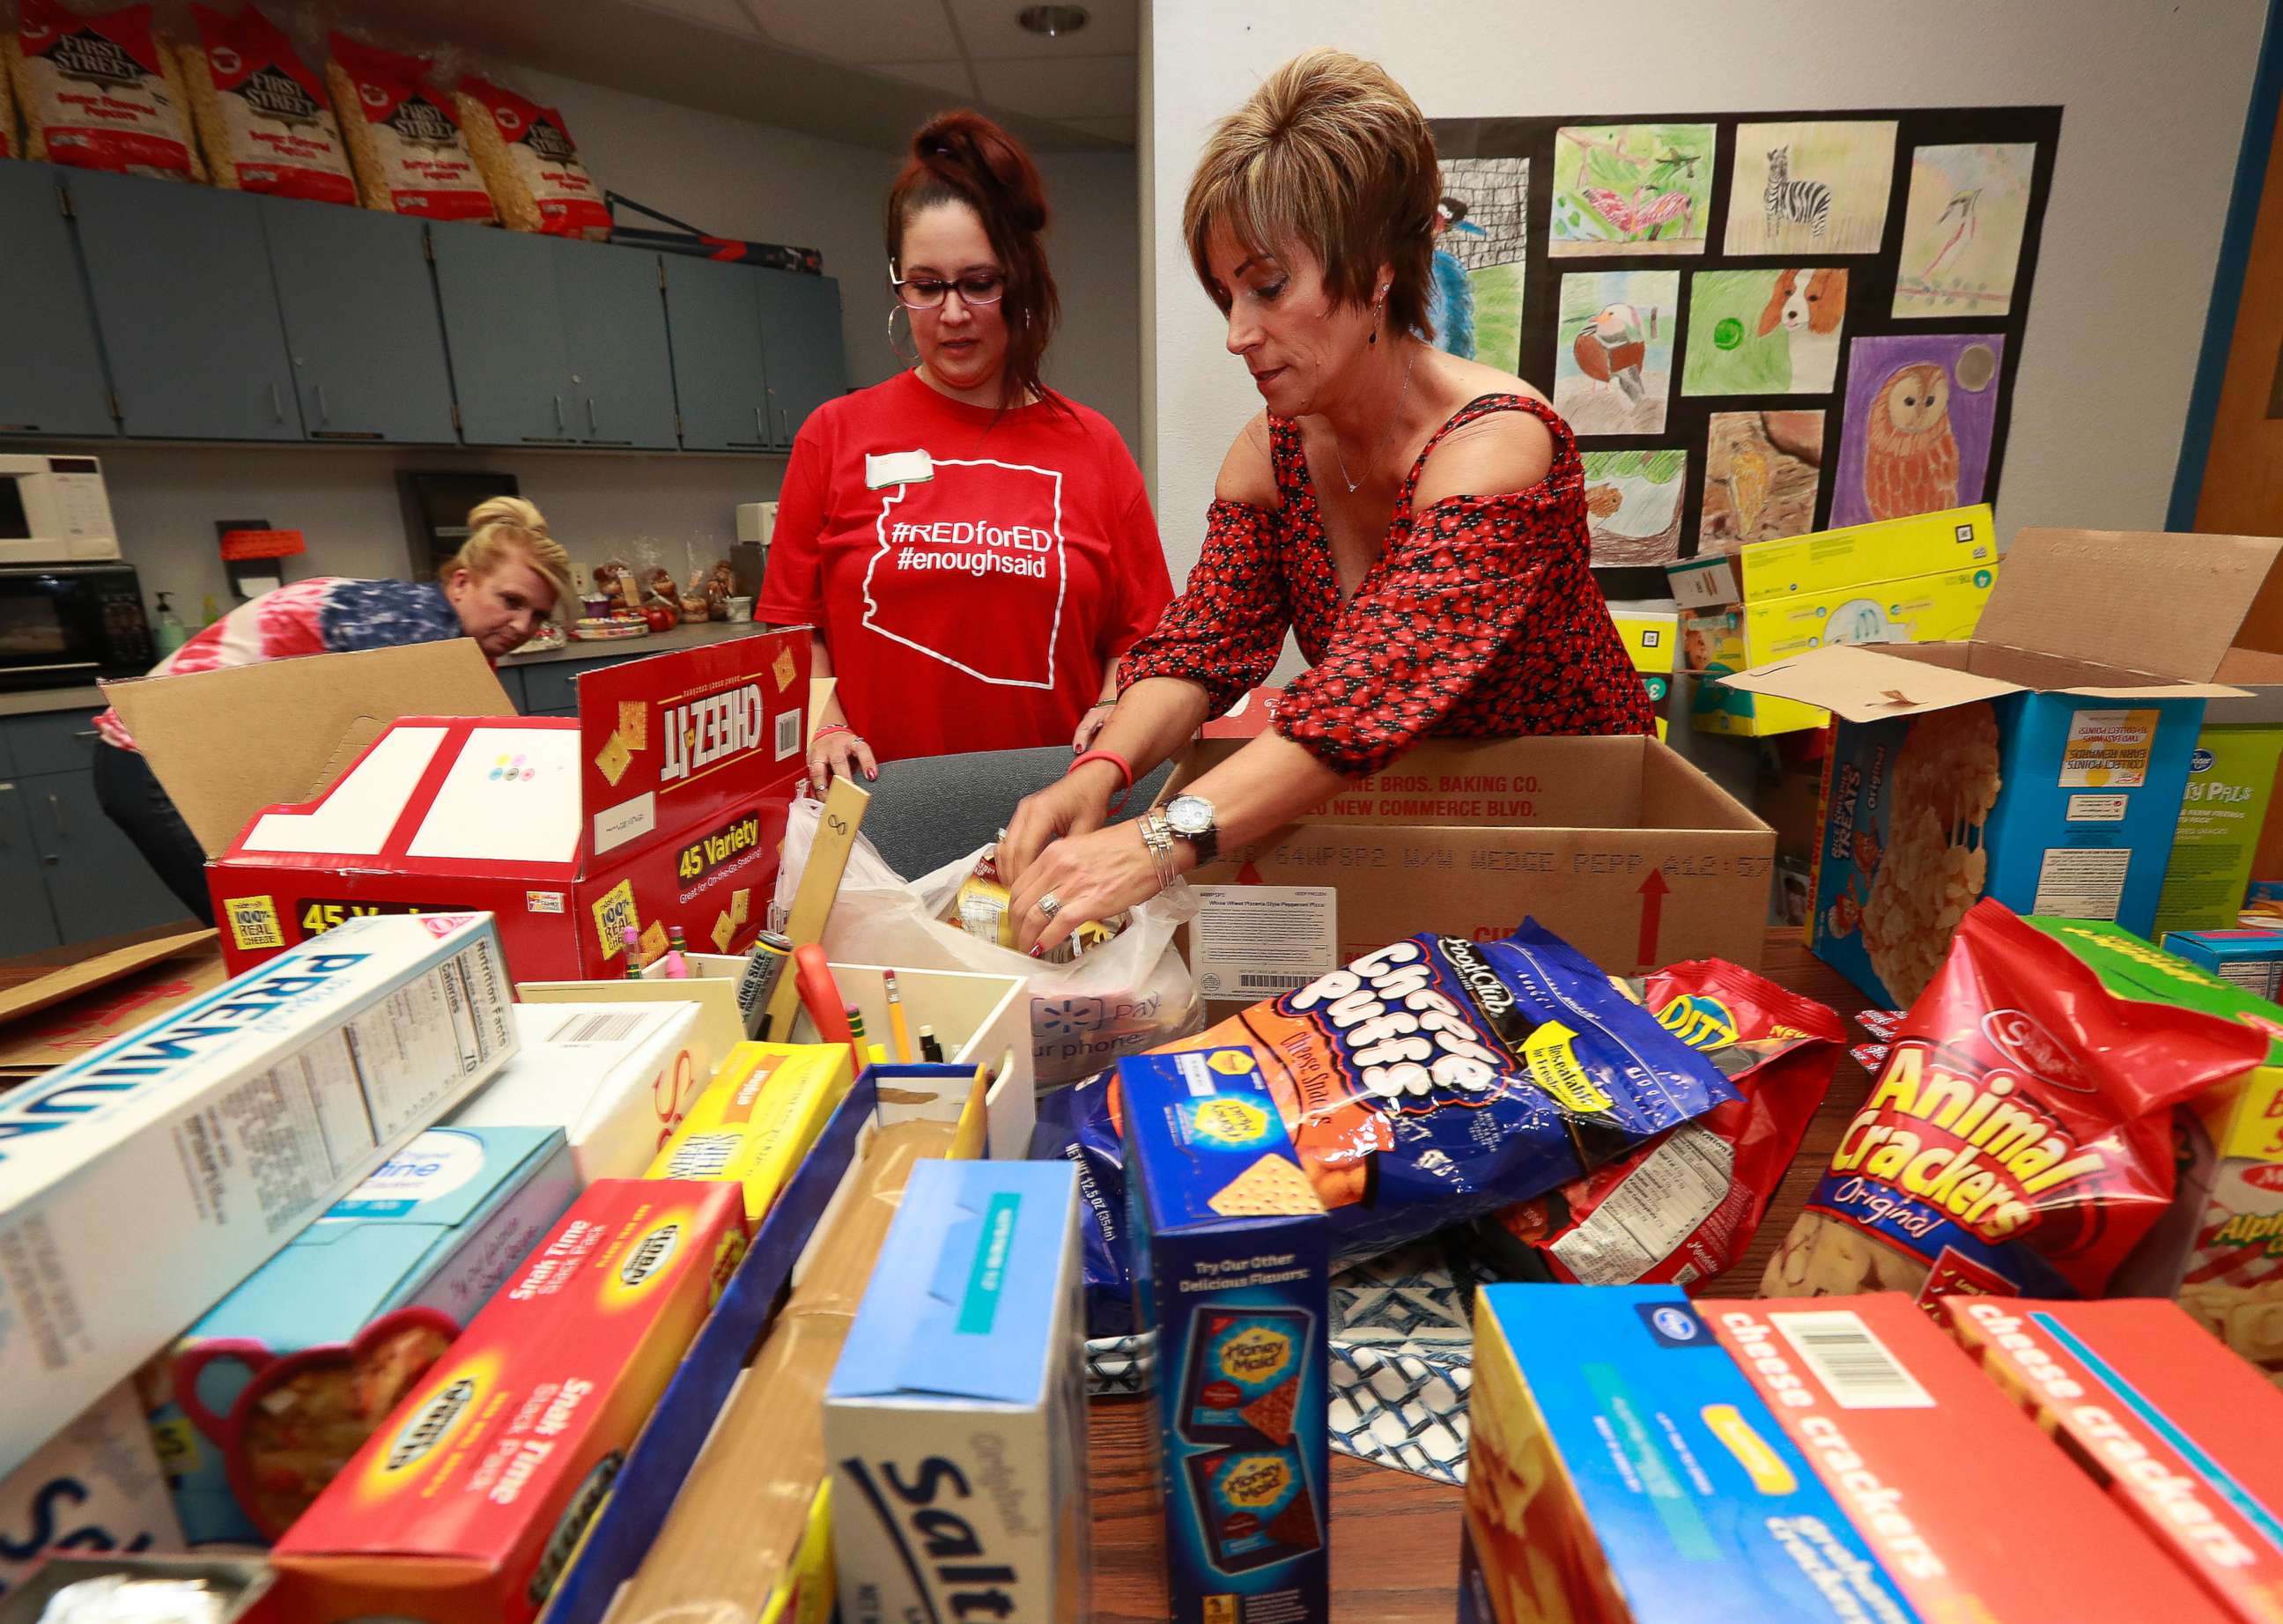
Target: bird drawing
1643, 213
1963, 206
1910, 461
1611, 348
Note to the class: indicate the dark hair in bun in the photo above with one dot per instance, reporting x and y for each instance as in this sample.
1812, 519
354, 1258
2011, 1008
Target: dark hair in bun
963, 156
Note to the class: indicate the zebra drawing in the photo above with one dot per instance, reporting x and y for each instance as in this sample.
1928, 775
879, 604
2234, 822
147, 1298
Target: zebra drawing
1788, 199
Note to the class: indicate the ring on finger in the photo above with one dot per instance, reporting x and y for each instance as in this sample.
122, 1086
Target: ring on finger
1049, 905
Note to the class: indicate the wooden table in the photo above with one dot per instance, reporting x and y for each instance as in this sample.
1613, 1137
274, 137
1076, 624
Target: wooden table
1395, 1537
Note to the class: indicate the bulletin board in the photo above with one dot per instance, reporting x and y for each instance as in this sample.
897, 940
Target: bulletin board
1758, 324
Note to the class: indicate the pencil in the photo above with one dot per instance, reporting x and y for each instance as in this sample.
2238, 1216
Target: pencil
856, 1036
897, 1027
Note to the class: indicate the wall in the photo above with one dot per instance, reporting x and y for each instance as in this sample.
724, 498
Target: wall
722, 175
2155, 97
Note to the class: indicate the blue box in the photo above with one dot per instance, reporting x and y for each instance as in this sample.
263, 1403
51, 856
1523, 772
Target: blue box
1620, 1466
274, 1390
1232, 1262
957, 1415
2248, 959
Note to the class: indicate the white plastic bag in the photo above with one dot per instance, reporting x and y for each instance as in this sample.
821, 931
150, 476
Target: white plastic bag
1132, 993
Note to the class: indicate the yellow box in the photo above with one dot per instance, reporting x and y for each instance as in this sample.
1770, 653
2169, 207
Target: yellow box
1835, 560
1652, 640
768, 1104
1926, 609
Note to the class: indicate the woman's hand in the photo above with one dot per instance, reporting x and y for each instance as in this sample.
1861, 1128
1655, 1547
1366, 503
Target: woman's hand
837, 750
1090, 876
1090, 726
1076, 805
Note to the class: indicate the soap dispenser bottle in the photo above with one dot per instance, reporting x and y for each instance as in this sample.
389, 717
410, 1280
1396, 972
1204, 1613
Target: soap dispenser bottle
171, 633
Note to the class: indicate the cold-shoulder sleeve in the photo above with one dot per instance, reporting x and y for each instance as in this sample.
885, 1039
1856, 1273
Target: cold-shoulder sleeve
1227, 628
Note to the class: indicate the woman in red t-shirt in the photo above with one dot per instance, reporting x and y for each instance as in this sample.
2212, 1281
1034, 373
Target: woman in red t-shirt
974, 550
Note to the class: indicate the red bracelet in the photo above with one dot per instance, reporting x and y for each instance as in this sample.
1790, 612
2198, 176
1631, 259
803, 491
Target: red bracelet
1110, 756
830, 728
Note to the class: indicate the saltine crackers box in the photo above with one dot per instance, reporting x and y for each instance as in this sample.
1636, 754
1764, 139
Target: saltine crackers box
616, 1078
2180, 1433
142, 1182
1231, 1267
955, 1419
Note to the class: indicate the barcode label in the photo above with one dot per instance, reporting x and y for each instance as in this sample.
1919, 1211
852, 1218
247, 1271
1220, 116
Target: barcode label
599, 1029
788, 734
1253, 981
1854, 1366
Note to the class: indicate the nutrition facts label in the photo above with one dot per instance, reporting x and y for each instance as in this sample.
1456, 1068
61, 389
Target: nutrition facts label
1659, 1205
2077, 882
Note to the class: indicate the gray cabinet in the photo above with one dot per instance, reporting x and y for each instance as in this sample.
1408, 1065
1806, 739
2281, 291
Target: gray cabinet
180, 278
98, 883
27, 923
801, 336
621, 378
51, 383
504, 322
720, 379
362, 331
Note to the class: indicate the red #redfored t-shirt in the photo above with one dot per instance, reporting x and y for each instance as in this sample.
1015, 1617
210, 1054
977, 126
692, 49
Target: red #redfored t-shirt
973, 579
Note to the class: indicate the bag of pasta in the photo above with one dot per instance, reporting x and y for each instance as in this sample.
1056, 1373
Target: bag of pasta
2017, 1142
100, 90
260, 110
537, 180
406, 147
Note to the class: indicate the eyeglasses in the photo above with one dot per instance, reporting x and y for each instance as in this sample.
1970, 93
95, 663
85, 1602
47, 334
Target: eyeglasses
928, 292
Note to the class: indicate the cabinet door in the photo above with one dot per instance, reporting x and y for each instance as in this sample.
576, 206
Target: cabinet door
187, 309
360, 325
27, 924
504, 327
801, 334
621, 372
97, 880
52, 382
714, 321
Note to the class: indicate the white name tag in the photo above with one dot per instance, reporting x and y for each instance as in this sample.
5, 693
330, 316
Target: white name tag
887, 468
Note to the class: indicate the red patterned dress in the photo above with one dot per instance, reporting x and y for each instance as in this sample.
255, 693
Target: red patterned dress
1481, 619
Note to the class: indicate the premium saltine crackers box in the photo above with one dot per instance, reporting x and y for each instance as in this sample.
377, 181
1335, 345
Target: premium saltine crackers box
956, 1420
1232, 1260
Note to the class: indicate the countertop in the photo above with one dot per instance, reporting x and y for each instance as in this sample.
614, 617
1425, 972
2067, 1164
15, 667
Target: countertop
36, 702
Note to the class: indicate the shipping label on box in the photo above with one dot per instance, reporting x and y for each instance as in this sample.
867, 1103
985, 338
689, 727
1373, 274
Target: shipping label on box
616, 1078
1256, 941
955, 1419
1231, 1256
140, 1183
2230, 785
95, 1485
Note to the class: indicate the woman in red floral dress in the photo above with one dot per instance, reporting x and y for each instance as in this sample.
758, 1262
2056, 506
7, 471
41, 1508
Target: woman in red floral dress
1416, 520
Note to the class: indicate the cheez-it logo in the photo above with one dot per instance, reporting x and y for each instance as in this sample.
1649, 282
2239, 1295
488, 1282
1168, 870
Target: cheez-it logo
704, 732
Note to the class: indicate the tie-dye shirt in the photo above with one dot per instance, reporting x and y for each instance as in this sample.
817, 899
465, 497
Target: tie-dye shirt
329, 615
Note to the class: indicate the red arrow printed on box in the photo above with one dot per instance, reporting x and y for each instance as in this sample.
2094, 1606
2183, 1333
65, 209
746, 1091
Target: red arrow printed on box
1652, 896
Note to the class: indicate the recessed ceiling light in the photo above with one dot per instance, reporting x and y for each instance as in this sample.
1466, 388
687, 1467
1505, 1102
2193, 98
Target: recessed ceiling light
1053, 22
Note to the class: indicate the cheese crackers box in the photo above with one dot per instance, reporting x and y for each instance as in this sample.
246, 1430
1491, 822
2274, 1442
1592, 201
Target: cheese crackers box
2219, 1247
140, 1183
1884, 1407
768, 1104
2178, 1431
955, 1419
1231, 1255
467, 1504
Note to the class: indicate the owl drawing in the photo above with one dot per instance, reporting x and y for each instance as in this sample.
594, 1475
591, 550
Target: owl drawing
1910, 462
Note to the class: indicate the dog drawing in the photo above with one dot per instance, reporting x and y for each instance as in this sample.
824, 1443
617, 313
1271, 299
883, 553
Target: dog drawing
1807, 307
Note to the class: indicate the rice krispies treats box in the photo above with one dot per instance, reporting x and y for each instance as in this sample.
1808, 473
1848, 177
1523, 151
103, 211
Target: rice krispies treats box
1232, 1253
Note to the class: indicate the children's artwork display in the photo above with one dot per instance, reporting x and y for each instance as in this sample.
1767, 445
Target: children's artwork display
1758, 324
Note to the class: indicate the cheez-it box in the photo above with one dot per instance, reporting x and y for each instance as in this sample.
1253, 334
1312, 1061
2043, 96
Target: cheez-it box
467, 1504
2184, 1435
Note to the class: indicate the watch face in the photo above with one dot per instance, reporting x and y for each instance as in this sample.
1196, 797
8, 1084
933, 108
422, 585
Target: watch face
1186, 815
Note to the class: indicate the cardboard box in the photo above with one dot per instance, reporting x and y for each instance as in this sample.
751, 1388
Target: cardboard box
767, 1104
140, 1183
966, 1368
616, 1078
1617, 844
268, 1396
469, 1502
1886, 1410
1231, 1256
2175, 1427
2028, 764
2219, 1246
1621, 1468
2231, 788
74, 1008
2251, 960
664, 801
95, 1485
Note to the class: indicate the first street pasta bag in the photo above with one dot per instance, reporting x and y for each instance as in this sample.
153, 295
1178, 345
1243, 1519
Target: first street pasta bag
2017, 1141
405, 141
261, 112
100, 90
536, 178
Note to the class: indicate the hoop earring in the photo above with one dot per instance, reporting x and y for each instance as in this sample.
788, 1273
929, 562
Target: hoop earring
912, 359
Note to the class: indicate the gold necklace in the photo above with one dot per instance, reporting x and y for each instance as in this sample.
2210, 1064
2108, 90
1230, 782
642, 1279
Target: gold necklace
1394, 418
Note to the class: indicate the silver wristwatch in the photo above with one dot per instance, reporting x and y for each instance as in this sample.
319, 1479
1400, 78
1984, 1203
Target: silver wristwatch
1190, 818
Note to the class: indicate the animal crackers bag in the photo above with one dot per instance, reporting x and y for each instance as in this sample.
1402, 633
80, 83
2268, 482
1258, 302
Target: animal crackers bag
262, 113
404, 136
2017, 1142
100, 90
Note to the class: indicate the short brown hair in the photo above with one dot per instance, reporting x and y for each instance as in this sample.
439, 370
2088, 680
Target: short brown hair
963, 156
1332, 153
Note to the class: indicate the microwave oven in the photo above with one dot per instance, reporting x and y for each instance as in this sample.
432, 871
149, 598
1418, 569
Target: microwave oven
63, 626
54, 509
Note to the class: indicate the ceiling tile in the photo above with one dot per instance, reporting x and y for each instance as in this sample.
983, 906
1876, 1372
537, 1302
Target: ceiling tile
988, 28
1077, 88
1114, 129
863, 30
727, 15
951, 76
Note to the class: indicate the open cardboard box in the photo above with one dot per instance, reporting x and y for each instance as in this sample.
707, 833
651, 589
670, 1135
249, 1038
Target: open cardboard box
402, 780
1617, 844
2094, 658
